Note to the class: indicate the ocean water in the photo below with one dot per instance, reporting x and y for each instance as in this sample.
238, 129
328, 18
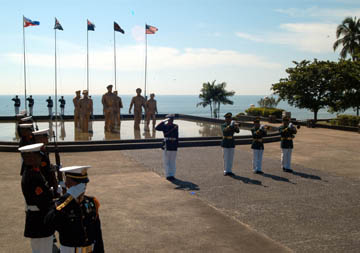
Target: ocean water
185, 104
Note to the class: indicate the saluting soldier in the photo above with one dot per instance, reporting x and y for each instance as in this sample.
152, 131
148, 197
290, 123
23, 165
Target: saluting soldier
62, 105
229, 128
50, 105
17, 104
287, 132
138, 102
38, 199
258, 132
31, 104
76, 216
169, 145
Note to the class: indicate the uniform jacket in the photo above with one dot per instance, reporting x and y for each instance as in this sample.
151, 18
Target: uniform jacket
257, 135
37, 194
228, 135
171, 136
62, 103
78, 224
287, 136
31, 101
17, 102
50, 102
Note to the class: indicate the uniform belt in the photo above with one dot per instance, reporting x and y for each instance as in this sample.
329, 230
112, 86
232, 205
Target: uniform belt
169, 139
85, 249
288, 138
31, 208
228, 137
258, 140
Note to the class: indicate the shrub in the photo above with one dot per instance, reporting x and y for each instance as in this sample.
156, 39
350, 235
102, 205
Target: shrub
346, 120
264, 112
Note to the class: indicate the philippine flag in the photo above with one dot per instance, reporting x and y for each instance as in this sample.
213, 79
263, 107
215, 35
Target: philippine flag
150, 29
29, 22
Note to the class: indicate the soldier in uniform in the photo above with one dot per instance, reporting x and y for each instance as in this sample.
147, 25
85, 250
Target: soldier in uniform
50, 106
151, 110
76, 216
138, 102
258, 132
76, 100
86, 108
62, 105
117, 107
38, 199
31, 104
228, 143
287, 132
170, 145
17, 104
108, 100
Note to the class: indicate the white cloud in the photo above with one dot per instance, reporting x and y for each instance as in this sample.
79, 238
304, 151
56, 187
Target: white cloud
308, 37
131, 58
333, 14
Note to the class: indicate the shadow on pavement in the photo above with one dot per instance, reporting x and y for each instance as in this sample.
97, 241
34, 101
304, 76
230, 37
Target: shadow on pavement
247, 180
277, 178
304, 175
185, 185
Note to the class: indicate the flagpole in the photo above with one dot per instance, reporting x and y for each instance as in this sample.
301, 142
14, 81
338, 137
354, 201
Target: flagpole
145, 60
115, 58
56, 125
87, 59
24, 63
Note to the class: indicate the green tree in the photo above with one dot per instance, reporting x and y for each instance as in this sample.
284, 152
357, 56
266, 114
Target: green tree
308, 85
214, 95
350, 30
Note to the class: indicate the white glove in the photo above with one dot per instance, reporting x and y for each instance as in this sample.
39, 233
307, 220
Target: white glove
291, 125
62, 184
262, 127
232, 123
76, 190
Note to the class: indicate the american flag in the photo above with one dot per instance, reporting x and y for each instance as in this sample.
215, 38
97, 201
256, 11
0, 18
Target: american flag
150, 29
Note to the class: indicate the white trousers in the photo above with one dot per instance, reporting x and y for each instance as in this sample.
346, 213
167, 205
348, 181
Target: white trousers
17, 109
257, 159
50, 111
42, 245
169, 160
228, 159
66, 249
62, 111
31, 109
286, 158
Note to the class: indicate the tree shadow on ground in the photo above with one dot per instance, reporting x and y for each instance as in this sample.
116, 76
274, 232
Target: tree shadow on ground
185, 185
304, 175
277, 178
247, 180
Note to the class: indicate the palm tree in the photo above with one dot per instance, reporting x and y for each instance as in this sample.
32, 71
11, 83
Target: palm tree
206, 95
222, 96
350, 29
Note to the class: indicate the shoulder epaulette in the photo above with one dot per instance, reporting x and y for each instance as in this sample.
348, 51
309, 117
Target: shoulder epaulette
97, 203
65, 203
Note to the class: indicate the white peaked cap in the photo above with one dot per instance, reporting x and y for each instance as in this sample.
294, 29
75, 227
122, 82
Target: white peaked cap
41, 132
26, 125
31, 148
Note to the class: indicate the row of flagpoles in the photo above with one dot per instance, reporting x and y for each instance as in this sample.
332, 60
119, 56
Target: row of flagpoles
90, 27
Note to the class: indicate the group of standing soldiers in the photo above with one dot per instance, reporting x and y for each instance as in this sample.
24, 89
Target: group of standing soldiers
53, 203
30, 99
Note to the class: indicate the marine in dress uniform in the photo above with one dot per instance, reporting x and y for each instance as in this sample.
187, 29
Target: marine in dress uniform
138, 102
62, 105
26, 138
169, 145
229, 128
258, 132
76, 216
38, 199
17, 104
31, 104
287, 132
50, 105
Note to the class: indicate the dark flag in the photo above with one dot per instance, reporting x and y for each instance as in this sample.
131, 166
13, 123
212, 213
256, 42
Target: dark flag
118, 28
150, 29
57, 25
90, 26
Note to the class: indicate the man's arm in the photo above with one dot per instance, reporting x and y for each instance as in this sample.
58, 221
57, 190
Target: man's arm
131, 105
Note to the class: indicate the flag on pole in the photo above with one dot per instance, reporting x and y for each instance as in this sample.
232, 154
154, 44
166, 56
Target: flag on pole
118, 28
90, 26
57, 25
150, 29
29, 22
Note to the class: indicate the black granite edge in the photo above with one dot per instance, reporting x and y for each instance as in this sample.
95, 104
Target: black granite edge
343, 128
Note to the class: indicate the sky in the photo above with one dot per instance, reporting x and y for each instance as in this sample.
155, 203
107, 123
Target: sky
247, 44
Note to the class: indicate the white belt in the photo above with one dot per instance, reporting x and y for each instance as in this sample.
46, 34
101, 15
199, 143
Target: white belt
31, 208
169, 139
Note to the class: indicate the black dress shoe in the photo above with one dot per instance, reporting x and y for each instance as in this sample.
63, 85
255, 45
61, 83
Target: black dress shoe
259, 172
231, 174
225, 174
170, 178
288, 170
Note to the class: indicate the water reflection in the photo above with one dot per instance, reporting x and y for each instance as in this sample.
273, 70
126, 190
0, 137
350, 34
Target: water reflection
206, 129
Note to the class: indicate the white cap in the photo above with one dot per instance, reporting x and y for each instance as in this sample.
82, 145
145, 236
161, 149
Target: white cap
41, 132
78, 173
31, 148
170, 116
26, 125
26, 118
